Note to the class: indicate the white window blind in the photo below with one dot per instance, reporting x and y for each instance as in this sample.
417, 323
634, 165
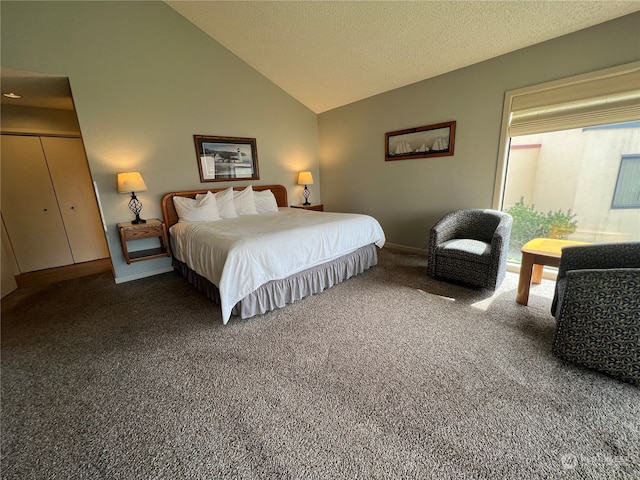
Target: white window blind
599, 98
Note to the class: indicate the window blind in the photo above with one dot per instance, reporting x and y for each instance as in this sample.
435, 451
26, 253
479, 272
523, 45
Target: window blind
608, 96
627, 192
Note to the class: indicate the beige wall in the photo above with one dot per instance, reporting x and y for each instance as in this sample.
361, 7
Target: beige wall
409, 196
521, 174
44, 121
576, 170
545, 175
597, 221
144, 81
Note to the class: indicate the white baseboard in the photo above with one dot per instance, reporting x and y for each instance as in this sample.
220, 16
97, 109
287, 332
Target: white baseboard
404, 249
138, 276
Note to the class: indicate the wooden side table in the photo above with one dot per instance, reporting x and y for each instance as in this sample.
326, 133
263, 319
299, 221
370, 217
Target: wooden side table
152, 229
318, 207
535, 254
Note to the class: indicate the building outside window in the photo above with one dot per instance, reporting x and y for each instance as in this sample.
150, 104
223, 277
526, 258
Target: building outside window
581, 184
569, 160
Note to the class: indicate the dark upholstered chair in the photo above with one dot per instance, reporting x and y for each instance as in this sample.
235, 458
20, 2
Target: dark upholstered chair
597, 308
470, 246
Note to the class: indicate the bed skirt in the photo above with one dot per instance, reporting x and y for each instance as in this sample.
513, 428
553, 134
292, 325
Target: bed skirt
278, 293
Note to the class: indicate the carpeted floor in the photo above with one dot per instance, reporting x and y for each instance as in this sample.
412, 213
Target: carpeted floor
391, 374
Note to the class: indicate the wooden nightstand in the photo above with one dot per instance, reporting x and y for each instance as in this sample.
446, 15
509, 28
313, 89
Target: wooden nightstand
153, 228
318, 207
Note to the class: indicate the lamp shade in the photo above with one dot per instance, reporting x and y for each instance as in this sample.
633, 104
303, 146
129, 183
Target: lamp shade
305, 178
131, 182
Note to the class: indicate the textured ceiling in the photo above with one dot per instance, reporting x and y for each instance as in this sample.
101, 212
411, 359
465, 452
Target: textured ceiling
327, 54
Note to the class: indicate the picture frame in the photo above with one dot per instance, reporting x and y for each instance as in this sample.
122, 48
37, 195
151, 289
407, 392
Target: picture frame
223, 159
421, 142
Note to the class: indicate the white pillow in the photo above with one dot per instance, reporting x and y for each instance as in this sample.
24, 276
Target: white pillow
265, 201
244, 202
226, 208
204, 209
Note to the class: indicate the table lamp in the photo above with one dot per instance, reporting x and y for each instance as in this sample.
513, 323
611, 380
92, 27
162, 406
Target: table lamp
305, 178
132, 182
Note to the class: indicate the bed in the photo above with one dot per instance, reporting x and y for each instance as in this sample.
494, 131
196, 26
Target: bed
264, 259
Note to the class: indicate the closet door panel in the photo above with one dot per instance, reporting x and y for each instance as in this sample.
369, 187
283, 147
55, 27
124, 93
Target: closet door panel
29, 206
76, 197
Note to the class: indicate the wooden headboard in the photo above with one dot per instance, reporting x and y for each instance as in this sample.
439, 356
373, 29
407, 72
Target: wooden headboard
171, 215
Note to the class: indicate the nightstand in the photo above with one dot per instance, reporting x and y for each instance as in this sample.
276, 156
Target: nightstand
318, 207
153, 228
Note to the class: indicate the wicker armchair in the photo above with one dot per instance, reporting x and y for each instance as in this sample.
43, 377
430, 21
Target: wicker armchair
470, 246
597, 308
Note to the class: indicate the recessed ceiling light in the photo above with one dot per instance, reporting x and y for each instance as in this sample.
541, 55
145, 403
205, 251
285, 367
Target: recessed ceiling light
12, 95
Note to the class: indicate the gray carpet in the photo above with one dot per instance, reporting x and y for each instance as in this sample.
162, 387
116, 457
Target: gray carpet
389, 375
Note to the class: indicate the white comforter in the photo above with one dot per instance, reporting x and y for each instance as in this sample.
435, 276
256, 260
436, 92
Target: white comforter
240, 254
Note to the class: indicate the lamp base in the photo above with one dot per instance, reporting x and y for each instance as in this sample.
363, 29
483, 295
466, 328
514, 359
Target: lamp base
135, 206
305, 194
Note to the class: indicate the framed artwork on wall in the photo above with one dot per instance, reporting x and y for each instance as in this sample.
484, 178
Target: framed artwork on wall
223, 159
421, 142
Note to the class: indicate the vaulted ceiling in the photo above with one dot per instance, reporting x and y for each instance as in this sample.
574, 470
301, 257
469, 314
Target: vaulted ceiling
330, 53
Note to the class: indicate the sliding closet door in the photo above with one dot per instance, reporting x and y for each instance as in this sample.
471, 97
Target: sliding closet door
29, 206
76, 197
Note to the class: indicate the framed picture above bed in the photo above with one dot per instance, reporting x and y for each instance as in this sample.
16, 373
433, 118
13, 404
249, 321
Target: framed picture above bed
223, 159
420, 142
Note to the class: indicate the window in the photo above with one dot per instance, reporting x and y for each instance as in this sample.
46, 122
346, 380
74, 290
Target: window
627, 192
561, 185
569, 164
